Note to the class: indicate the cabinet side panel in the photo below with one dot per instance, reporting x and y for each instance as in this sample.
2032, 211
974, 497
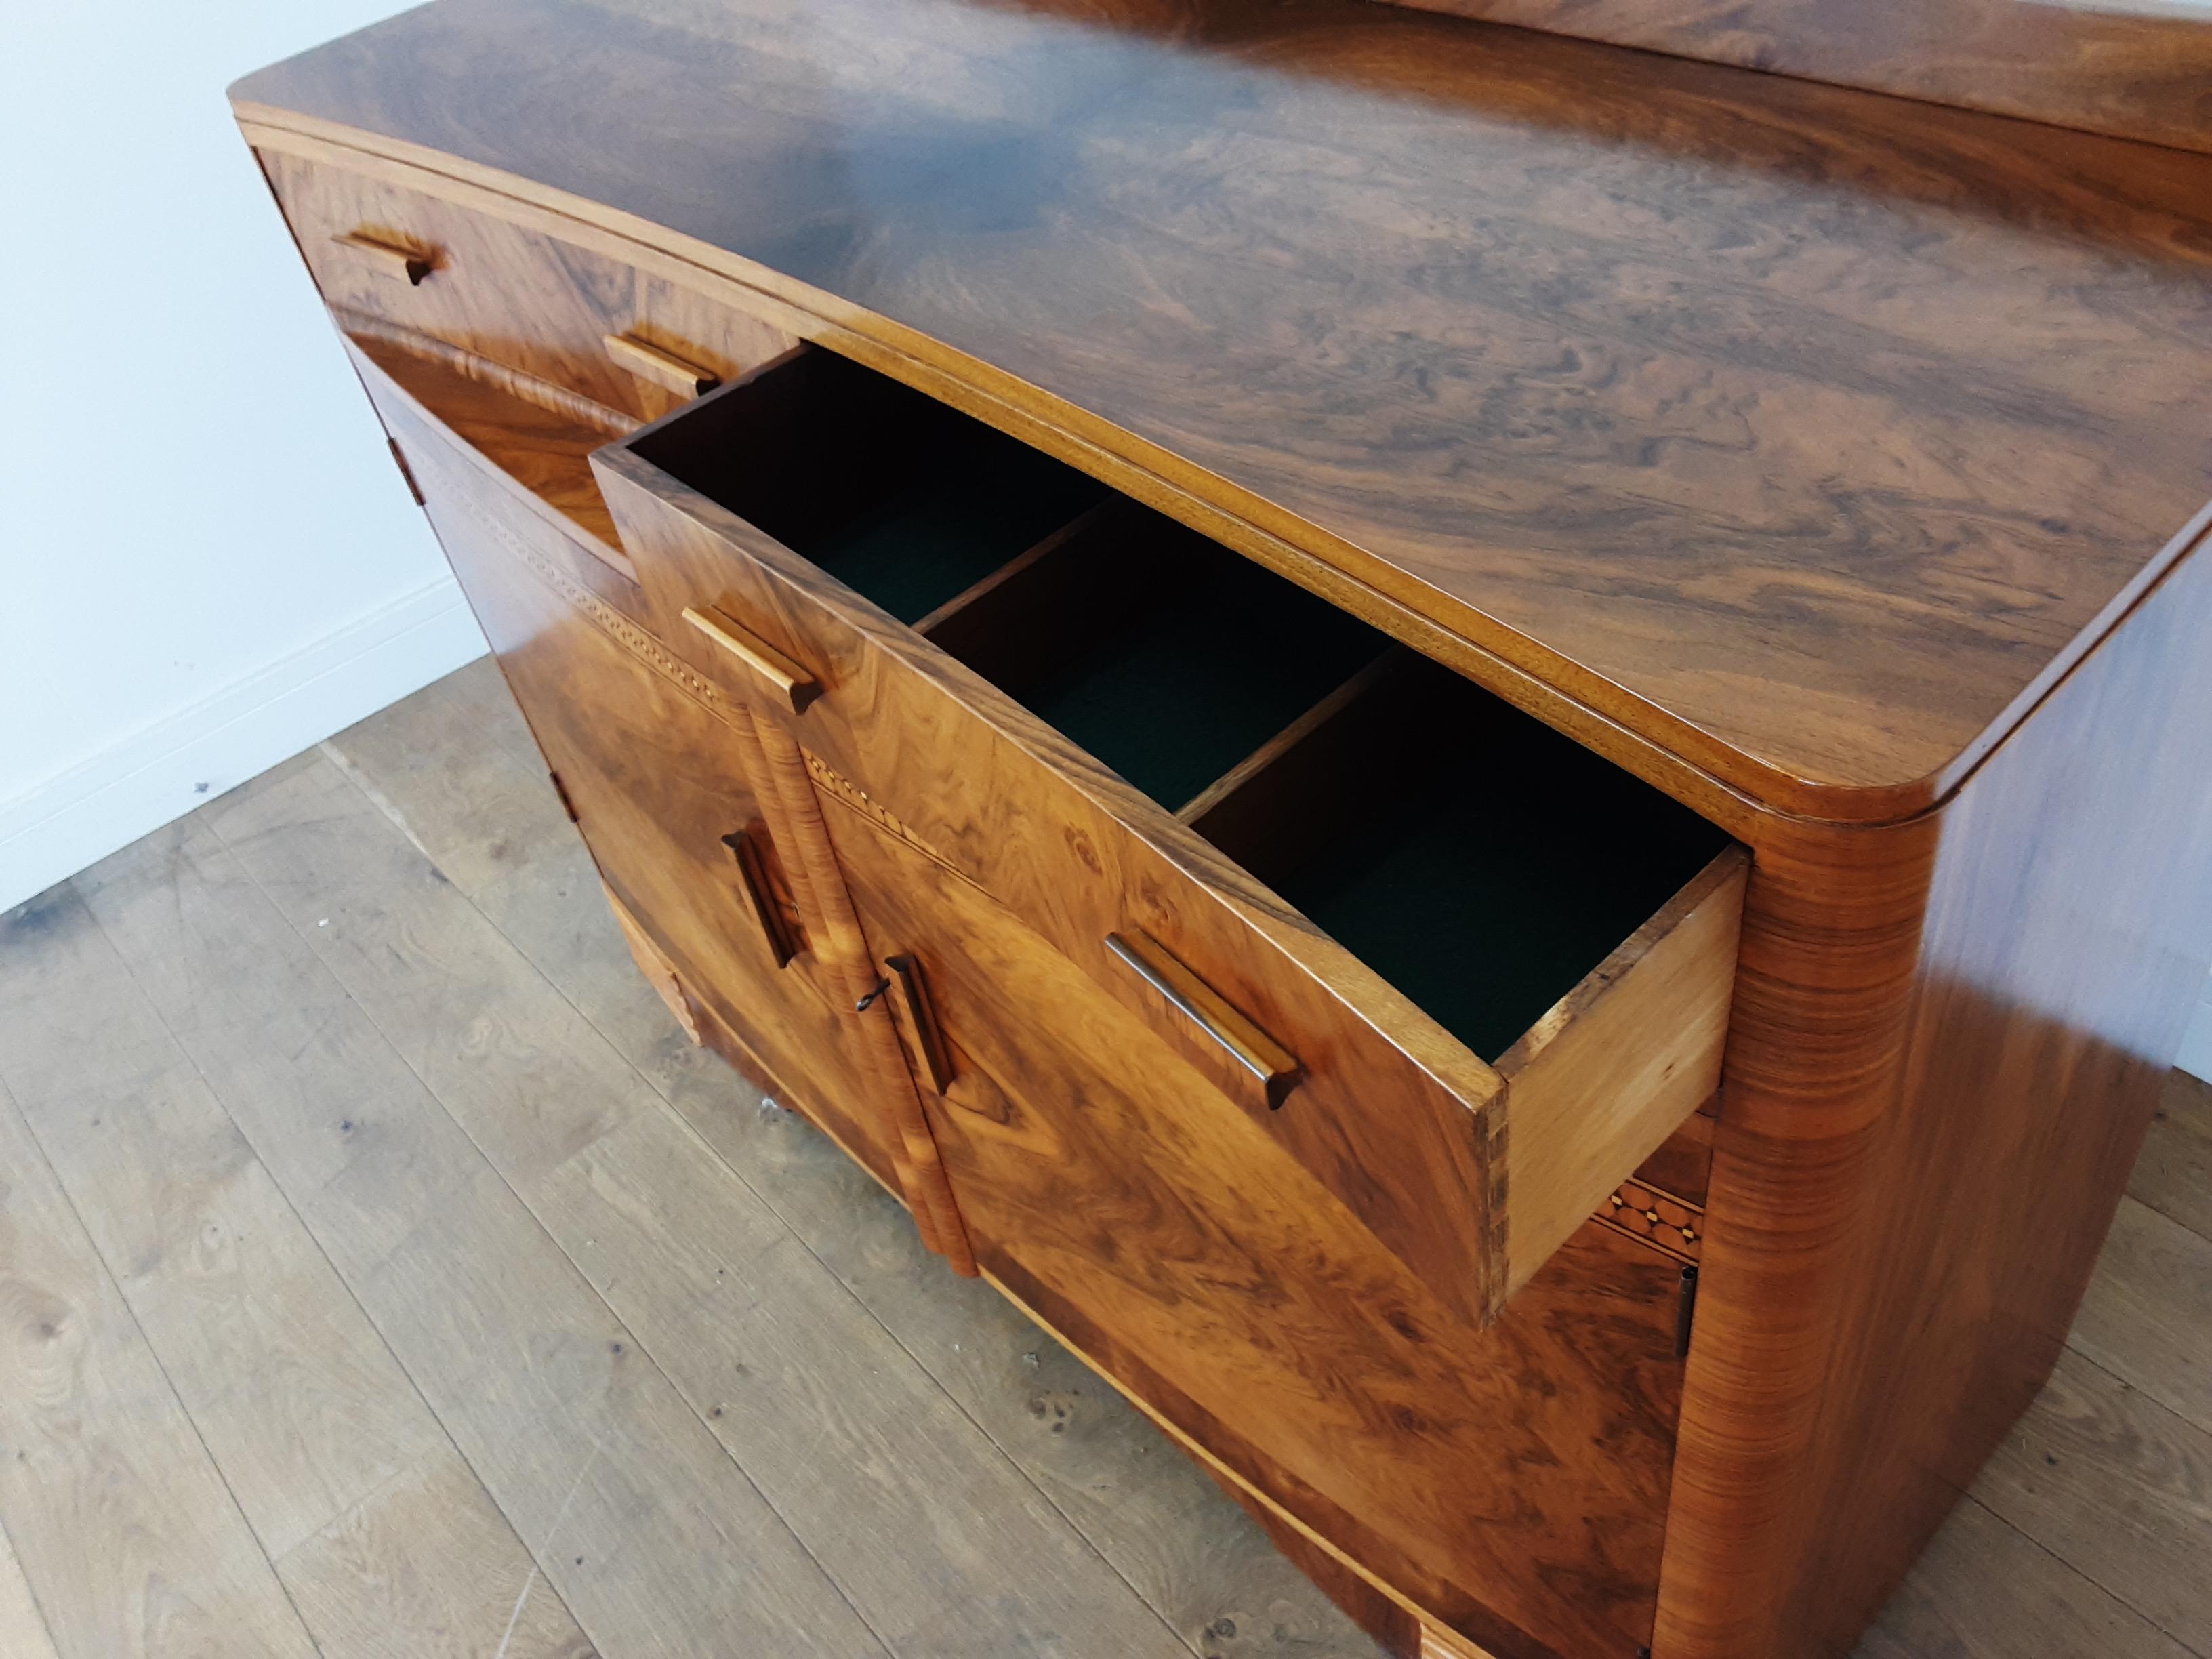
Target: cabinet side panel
1913, 1176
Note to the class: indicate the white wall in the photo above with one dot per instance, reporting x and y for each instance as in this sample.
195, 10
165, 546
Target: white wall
207, 563
2196, 1050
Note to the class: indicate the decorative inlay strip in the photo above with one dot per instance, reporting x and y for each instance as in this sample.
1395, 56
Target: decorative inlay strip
1643, 1211
623, 631
844, 790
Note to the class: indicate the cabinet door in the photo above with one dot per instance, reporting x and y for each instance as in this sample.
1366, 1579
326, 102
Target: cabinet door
1509, 1480
654, 765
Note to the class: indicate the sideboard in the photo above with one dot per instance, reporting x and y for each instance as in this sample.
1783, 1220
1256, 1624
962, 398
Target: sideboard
1487, 755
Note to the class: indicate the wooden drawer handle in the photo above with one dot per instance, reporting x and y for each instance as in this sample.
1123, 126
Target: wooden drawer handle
793, 685
664, 369
745, 847
390, 258
1275, 1066
921, 1013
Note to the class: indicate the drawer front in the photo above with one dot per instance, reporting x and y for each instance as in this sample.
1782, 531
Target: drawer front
654, 772
1471, 1174
1399, 1123
1512, 1480
633, 344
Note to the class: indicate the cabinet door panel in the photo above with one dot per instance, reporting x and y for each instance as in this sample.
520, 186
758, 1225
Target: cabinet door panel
653, 767
1512, 1479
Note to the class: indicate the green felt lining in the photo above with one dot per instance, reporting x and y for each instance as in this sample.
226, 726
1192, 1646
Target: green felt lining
1229, 656
1511, 871
984, 503
1478, 860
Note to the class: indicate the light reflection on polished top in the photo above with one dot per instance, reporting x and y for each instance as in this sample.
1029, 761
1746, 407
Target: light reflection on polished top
1808, 432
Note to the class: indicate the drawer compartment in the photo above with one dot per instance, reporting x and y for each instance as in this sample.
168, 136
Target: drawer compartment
622, 343
1465, 973
941, 503
1409, 861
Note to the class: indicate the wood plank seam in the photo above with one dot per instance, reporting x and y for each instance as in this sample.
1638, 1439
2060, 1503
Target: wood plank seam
138, 1331
43, 1634
2118, 1593
537, 1551
138, 1326
131, 972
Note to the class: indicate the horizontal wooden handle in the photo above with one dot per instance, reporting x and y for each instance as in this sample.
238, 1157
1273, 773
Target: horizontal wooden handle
791, 686
663, 367
390, 258
1274, 1066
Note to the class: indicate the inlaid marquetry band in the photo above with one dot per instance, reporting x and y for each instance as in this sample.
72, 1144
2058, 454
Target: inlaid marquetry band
841, 788
1657, 1217
636, 640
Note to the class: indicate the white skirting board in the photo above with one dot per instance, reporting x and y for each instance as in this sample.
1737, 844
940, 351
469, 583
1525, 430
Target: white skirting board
79, 816
2196, 1047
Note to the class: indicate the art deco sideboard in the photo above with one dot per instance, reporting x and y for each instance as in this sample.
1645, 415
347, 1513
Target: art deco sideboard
1489, 757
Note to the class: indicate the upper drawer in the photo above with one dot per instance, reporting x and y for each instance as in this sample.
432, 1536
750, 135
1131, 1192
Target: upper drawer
591, 326
1466, 973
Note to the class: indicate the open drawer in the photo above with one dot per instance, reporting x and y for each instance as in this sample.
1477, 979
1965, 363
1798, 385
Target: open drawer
1465, 973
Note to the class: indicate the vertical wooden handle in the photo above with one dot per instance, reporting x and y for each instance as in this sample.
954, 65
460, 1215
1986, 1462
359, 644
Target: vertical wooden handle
389, 256
1273, 1067
745, 849
922, 1179
922, 1014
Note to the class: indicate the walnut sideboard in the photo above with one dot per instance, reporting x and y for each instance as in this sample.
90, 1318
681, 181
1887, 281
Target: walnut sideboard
1489, 757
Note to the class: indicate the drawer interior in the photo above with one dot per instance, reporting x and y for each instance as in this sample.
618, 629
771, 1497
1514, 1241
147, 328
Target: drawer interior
1158, 651
901, 499
1480, 861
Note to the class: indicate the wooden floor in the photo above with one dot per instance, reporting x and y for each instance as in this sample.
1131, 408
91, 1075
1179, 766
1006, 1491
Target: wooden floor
382, 1274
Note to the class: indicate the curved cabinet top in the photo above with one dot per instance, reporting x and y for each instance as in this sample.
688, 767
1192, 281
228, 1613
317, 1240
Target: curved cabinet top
1808, 433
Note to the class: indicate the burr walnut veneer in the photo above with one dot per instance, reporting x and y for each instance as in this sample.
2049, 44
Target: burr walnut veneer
1488, 756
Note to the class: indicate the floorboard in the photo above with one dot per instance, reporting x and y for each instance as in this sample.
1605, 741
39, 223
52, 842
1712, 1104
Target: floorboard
303, 1409
2174, 1175
656, 1541
1983, 1591
1195, 1557
2148, 1317
126, 1534
364, 1212
22, 1626
313, 1424
2106, 1478
426, 1567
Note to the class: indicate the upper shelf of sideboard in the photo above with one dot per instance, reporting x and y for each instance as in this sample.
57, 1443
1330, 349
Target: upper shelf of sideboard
1806, 433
